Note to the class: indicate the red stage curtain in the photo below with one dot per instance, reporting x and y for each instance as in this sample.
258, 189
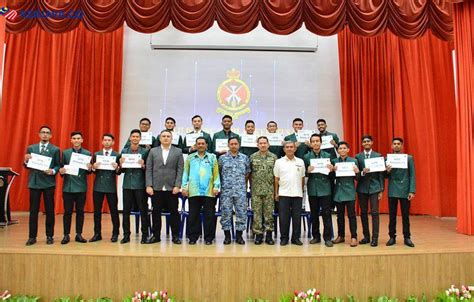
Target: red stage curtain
464, 44
2, 44
70, 81
395, 87
407, 18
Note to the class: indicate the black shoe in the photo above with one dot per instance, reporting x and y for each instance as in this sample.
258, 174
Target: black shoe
227, 238
176, 240
374, 242
258, 239
208, 242
49, 240
391, 241
192, 242
315, 240
269, 239
144, 240
296, 242
328, 243
125, 239
239, 239
114, 238
96, 237
283, 242
80, 239
65, 240
152, 240
365, 240
31, 241
408, 242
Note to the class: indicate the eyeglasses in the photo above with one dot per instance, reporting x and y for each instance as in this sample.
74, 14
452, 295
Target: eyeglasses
45, 132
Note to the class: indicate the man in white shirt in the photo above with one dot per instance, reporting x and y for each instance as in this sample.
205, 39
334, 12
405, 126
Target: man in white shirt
289, 174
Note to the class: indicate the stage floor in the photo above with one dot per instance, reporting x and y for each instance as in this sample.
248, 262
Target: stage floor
232, 273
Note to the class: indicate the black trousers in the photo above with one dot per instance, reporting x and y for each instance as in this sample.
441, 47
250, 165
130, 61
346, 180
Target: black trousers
112, 201
165, 200
290, 208
35, 199
131, 197
196, 203
71, 200
351, 214
374, 212
315, 204
392, 210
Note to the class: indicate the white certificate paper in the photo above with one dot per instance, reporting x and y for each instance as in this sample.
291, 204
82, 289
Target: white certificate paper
80, 160
176, 138
345, 169
39, 162
191, 139
398, 161
320, 165
303, 135
105, 162
326, 142
275, 139
71, 170
131, 161
376, 164
221, 145
147, 138
249, 140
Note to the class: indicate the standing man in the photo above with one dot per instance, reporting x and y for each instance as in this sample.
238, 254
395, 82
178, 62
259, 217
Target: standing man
369, 188
272, 127
301, 148
144, 126
345, 195
170, 124
134, 188
223, 135
74, 189
401, 187
105, 185
289, 174
319, 192
164, 172
198, 132
42, 183
201, 184
321, 124
249, 130
235, 168
262, 185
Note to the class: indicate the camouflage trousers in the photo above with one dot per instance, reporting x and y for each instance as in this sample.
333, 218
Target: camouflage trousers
239, 203
262, 206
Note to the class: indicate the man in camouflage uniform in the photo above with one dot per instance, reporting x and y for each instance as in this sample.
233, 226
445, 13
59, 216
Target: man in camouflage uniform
262, 187
234, 168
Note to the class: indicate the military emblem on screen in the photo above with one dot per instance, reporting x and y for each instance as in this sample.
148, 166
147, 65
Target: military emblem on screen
233, 95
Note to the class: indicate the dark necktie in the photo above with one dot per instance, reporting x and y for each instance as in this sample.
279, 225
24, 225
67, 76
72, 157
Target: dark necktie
43, 149
367, 155
106, 153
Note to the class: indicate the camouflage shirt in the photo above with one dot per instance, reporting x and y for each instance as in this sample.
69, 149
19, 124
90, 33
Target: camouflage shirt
262, 173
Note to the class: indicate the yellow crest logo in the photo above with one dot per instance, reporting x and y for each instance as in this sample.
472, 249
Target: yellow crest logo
233, 95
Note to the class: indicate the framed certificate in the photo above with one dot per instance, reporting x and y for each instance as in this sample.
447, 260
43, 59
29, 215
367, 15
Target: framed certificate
221, 145
249, 140
303, 135
147, 138
398, 161
275, 139
326, 142
71, 170
376, 164
131, 161
105, 162
39, 162
191, 139
80, 160
176, 138
345, 169
320, 165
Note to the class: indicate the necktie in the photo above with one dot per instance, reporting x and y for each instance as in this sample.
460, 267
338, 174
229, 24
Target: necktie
43, 148
106, 153
367, 155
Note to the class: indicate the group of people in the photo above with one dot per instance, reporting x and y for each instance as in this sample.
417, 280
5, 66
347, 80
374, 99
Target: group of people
275, 174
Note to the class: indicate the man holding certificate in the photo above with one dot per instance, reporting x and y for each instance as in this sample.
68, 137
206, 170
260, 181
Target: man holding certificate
177, 140
76, 165
300, 137
275, 139
220, 139
318, 166
346, 172
369, 188
43, 162
249, 139
106, 168
132, 164
401, 187
189, 143
147, 140
329, 139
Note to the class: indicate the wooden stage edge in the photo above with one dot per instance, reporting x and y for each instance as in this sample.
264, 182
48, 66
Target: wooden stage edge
233, 273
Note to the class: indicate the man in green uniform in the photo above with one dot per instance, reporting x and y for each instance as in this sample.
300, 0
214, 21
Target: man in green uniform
272, 127
223, 136
301, 147
74, 189
321, 124
262, 184
144, 126
249, 130
401, 187
197, 132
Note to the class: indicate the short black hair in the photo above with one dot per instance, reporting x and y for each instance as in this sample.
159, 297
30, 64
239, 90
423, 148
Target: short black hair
108, 135
201, 138
45, 126
367, 136
145, 119
233, 137
226, 116
297, 120
135, 131
320, 120
249, 122
262, 137
77, 133
343, 143
166, 130
397, 139
270, 122
316, 135
169, 118
196, 116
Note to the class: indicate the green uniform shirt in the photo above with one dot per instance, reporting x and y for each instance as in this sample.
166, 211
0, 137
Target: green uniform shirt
402, 181
134, 179
301, 150
73, 183
106, 180
262, 173
318, 184
277, 150
345, 189
207, 137
38, 179
369, 183
331, 151
222, 135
